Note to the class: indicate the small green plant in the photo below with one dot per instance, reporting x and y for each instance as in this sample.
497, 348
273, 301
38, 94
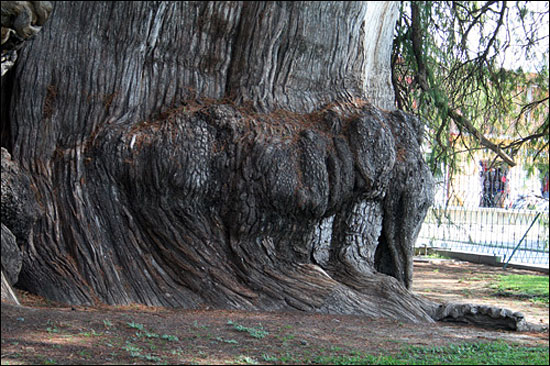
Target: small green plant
177, 352
230, 341
269, 358
52, 327
135, 325
129, 347
107, 323
52, 330
246, 360
89, 334
288, 358
197, 325
169, 338
253, 332
85, 354
149, 357
466, 292
285, 338
146, 334
136, 352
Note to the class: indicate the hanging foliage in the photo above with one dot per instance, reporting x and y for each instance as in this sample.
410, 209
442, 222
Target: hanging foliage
477, 74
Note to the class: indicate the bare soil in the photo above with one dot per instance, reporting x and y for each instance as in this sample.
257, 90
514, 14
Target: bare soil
458, 281
42, 332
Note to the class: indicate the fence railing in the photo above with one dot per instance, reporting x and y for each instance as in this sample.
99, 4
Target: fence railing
490, 209
491, 231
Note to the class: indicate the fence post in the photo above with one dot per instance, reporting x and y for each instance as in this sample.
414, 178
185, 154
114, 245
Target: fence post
523, 237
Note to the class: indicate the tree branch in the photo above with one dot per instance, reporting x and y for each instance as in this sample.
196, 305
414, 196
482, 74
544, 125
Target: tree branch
422, 79
494, 37
464, 122
481, 11
531, 105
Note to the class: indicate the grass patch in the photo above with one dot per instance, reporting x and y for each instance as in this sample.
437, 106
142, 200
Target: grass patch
495, 353
522, 286
435, 255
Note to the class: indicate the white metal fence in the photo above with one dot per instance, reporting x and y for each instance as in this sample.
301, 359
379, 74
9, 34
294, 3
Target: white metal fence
482, 211
492, 231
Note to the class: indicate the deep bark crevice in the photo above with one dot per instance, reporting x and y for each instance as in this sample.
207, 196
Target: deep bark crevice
5, 124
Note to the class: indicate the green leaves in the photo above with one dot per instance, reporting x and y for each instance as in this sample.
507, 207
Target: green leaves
135, 325
257, 332
449, 60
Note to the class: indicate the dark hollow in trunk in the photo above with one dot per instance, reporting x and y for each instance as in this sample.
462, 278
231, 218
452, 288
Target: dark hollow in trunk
220, 154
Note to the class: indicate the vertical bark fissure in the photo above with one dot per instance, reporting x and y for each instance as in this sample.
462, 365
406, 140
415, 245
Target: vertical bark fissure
5, 98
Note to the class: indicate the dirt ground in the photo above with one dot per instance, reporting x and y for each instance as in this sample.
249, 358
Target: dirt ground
457, 281
42, 332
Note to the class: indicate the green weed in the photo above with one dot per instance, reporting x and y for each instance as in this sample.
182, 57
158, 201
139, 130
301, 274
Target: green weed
169, 337
197, 325
89, 334
136, 352
129, 347
146, 334
258, 332
246, 360
135, 325
269, 358
85, 354
230, 341
177, 352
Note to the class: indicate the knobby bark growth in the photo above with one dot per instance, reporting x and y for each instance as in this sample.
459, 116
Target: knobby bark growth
222, 154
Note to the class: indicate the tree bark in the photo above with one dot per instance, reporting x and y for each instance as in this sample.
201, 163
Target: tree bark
239, 155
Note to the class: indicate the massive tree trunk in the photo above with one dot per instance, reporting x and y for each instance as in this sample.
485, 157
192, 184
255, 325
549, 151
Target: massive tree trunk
237, 155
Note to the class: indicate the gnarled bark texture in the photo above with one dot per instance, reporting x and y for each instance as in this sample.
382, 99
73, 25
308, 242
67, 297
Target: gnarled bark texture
19, 211
228, 154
